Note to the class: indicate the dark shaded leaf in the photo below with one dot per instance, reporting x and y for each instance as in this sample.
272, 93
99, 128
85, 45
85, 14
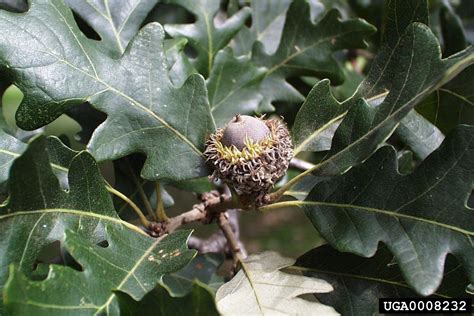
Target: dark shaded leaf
360, 282
203, 268
421, 217
199, 301
128, 182
317, 119
89, 119
268, 19
60, 156
451, 104
58, 67
399, 18
10, 149
180, 66
452, 30
204, 35
233, 87
131, 263
404, 72
14, 5
306, 49
197, 185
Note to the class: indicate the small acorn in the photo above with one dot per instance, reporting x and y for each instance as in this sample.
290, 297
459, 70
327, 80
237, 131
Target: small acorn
250, 154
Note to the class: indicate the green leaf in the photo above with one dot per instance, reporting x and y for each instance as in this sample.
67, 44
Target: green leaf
452, 30
405, 160
196, 185
233, 87
421, 218
141, 111
180, 66
317, 119
199, 301
203, 269
419, 134
359, 282
266, 290
39, 211
400, 16
364, 127
268, 19
88, 118
400, 68
306, 49
203, 35
116, 23
131, 263
128, 182
451, 104
10, 149
14, 5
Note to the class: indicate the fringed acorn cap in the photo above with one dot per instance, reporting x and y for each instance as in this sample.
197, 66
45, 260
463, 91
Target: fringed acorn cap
250, 154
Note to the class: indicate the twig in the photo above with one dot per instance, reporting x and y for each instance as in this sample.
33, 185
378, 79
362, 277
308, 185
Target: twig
212, 204
300, 164
234, 244
160, 209
217, 241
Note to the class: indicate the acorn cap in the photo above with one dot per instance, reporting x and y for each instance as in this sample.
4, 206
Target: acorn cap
250, 154
243, 127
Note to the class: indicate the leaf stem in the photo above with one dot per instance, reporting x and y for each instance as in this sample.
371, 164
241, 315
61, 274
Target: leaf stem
269, 207
142, 193
275, 196
137, 210
160, 209
300, 164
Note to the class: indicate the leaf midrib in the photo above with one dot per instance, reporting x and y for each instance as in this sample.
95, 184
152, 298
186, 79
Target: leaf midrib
130, 273
316, 133
357, 276
302, 50
133, 101
372, 210
82, 213
16, 155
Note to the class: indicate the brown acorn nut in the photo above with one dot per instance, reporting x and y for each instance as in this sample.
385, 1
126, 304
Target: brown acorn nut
250, 154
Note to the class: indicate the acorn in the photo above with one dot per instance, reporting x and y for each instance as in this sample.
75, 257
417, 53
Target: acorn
250, 154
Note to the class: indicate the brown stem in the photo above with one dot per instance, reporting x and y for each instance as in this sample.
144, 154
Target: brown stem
234, 244
217, 241
212, 204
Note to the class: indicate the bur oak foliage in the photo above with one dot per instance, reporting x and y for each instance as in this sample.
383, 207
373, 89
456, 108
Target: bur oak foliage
378, 98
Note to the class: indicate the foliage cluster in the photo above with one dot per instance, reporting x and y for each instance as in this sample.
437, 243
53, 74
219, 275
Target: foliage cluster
378, 96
